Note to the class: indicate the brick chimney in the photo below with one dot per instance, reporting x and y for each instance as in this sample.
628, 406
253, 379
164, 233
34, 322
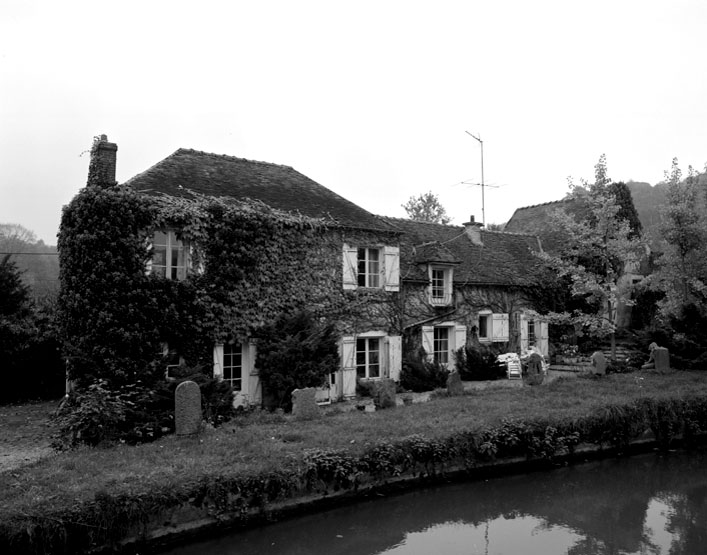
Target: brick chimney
473, 231
101, 168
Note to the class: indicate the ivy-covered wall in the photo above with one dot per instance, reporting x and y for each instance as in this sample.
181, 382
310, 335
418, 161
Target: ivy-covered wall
257, 263
468, 301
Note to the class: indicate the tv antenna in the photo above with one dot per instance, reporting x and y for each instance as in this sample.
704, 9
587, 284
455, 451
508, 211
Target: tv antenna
483, 203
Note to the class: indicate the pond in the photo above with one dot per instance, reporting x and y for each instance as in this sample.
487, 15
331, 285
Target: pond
647, 504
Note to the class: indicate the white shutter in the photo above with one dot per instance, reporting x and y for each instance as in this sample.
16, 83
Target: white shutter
391, 266
250, 373
428, 338
459, 336
350, 267
218, 361
499, 327
395, 356
195, 260
348, 363
543, 338
148, 265
459, 340
523, 333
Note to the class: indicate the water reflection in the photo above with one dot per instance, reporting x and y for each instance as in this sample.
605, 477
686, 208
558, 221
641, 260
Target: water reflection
649, 504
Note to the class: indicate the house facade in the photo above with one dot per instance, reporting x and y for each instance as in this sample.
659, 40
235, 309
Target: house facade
227, 244
465, 286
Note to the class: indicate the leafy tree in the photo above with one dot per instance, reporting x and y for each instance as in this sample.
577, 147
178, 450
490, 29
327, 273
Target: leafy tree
14, 295
627, 210
598, 243
683, 266
426, 208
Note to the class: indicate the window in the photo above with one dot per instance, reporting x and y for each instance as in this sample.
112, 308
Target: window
368, 267
440, 291
368, 357
484, 326
169, 257
441, 345
439, 342
531, 332
375, 267
493, 327
233, 366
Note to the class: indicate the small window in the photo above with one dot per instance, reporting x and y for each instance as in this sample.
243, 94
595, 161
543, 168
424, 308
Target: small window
233, 365
531, 332
484, 326
369, 266
441, 345
368, 359
169, 259
440, 286
437, 283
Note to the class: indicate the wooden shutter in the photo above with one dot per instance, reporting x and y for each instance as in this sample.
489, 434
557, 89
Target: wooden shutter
543, 338
523, 333
218, 361
391, 266
428, 341
348, 363
459, 340
148, 265
350, 267
499, 327
395, 356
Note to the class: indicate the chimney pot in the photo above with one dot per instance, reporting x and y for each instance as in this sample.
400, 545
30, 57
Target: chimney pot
101, 168
473, 231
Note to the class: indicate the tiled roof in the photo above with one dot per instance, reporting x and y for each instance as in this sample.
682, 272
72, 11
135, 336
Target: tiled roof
503, 259
534, 219
280, 187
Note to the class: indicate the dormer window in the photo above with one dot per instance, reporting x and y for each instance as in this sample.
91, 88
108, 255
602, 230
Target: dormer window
440, 290
169, 258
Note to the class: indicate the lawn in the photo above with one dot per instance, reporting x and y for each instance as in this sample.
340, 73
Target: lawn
262, 441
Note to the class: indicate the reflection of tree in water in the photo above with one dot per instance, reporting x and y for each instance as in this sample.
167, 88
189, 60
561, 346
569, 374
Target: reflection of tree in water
687, 520
605, 502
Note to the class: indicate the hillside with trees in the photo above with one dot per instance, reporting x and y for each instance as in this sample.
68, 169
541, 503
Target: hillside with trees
37, 263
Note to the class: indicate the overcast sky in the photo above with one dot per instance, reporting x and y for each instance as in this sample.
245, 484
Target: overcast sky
370, 99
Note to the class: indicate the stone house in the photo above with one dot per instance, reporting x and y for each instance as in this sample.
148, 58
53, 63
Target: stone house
463, 285
388, 284
358, 258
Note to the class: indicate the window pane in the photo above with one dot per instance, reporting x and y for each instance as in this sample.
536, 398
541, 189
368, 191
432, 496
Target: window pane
233, 365
483, 326
160, 238
441, 345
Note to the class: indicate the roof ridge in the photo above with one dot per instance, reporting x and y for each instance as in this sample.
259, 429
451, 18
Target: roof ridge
229, 157
410, 220
503, 232
542, 204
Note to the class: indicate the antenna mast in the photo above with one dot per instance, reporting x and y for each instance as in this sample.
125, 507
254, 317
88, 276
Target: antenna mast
483, 205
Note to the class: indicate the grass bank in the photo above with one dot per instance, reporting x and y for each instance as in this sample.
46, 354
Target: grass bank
74, 501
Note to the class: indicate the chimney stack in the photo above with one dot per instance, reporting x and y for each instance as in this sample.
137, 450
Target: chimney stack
101, 168
473, 231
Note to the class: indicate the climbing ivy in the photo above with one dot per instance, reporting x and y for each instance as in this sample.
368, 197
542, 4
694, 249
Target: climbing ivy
258, 264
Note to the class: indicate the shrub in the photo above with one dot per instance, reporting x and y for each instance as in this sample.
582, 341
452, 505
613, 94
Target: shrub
295, 351
136, 413
91, 417
420, 375
478, 364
